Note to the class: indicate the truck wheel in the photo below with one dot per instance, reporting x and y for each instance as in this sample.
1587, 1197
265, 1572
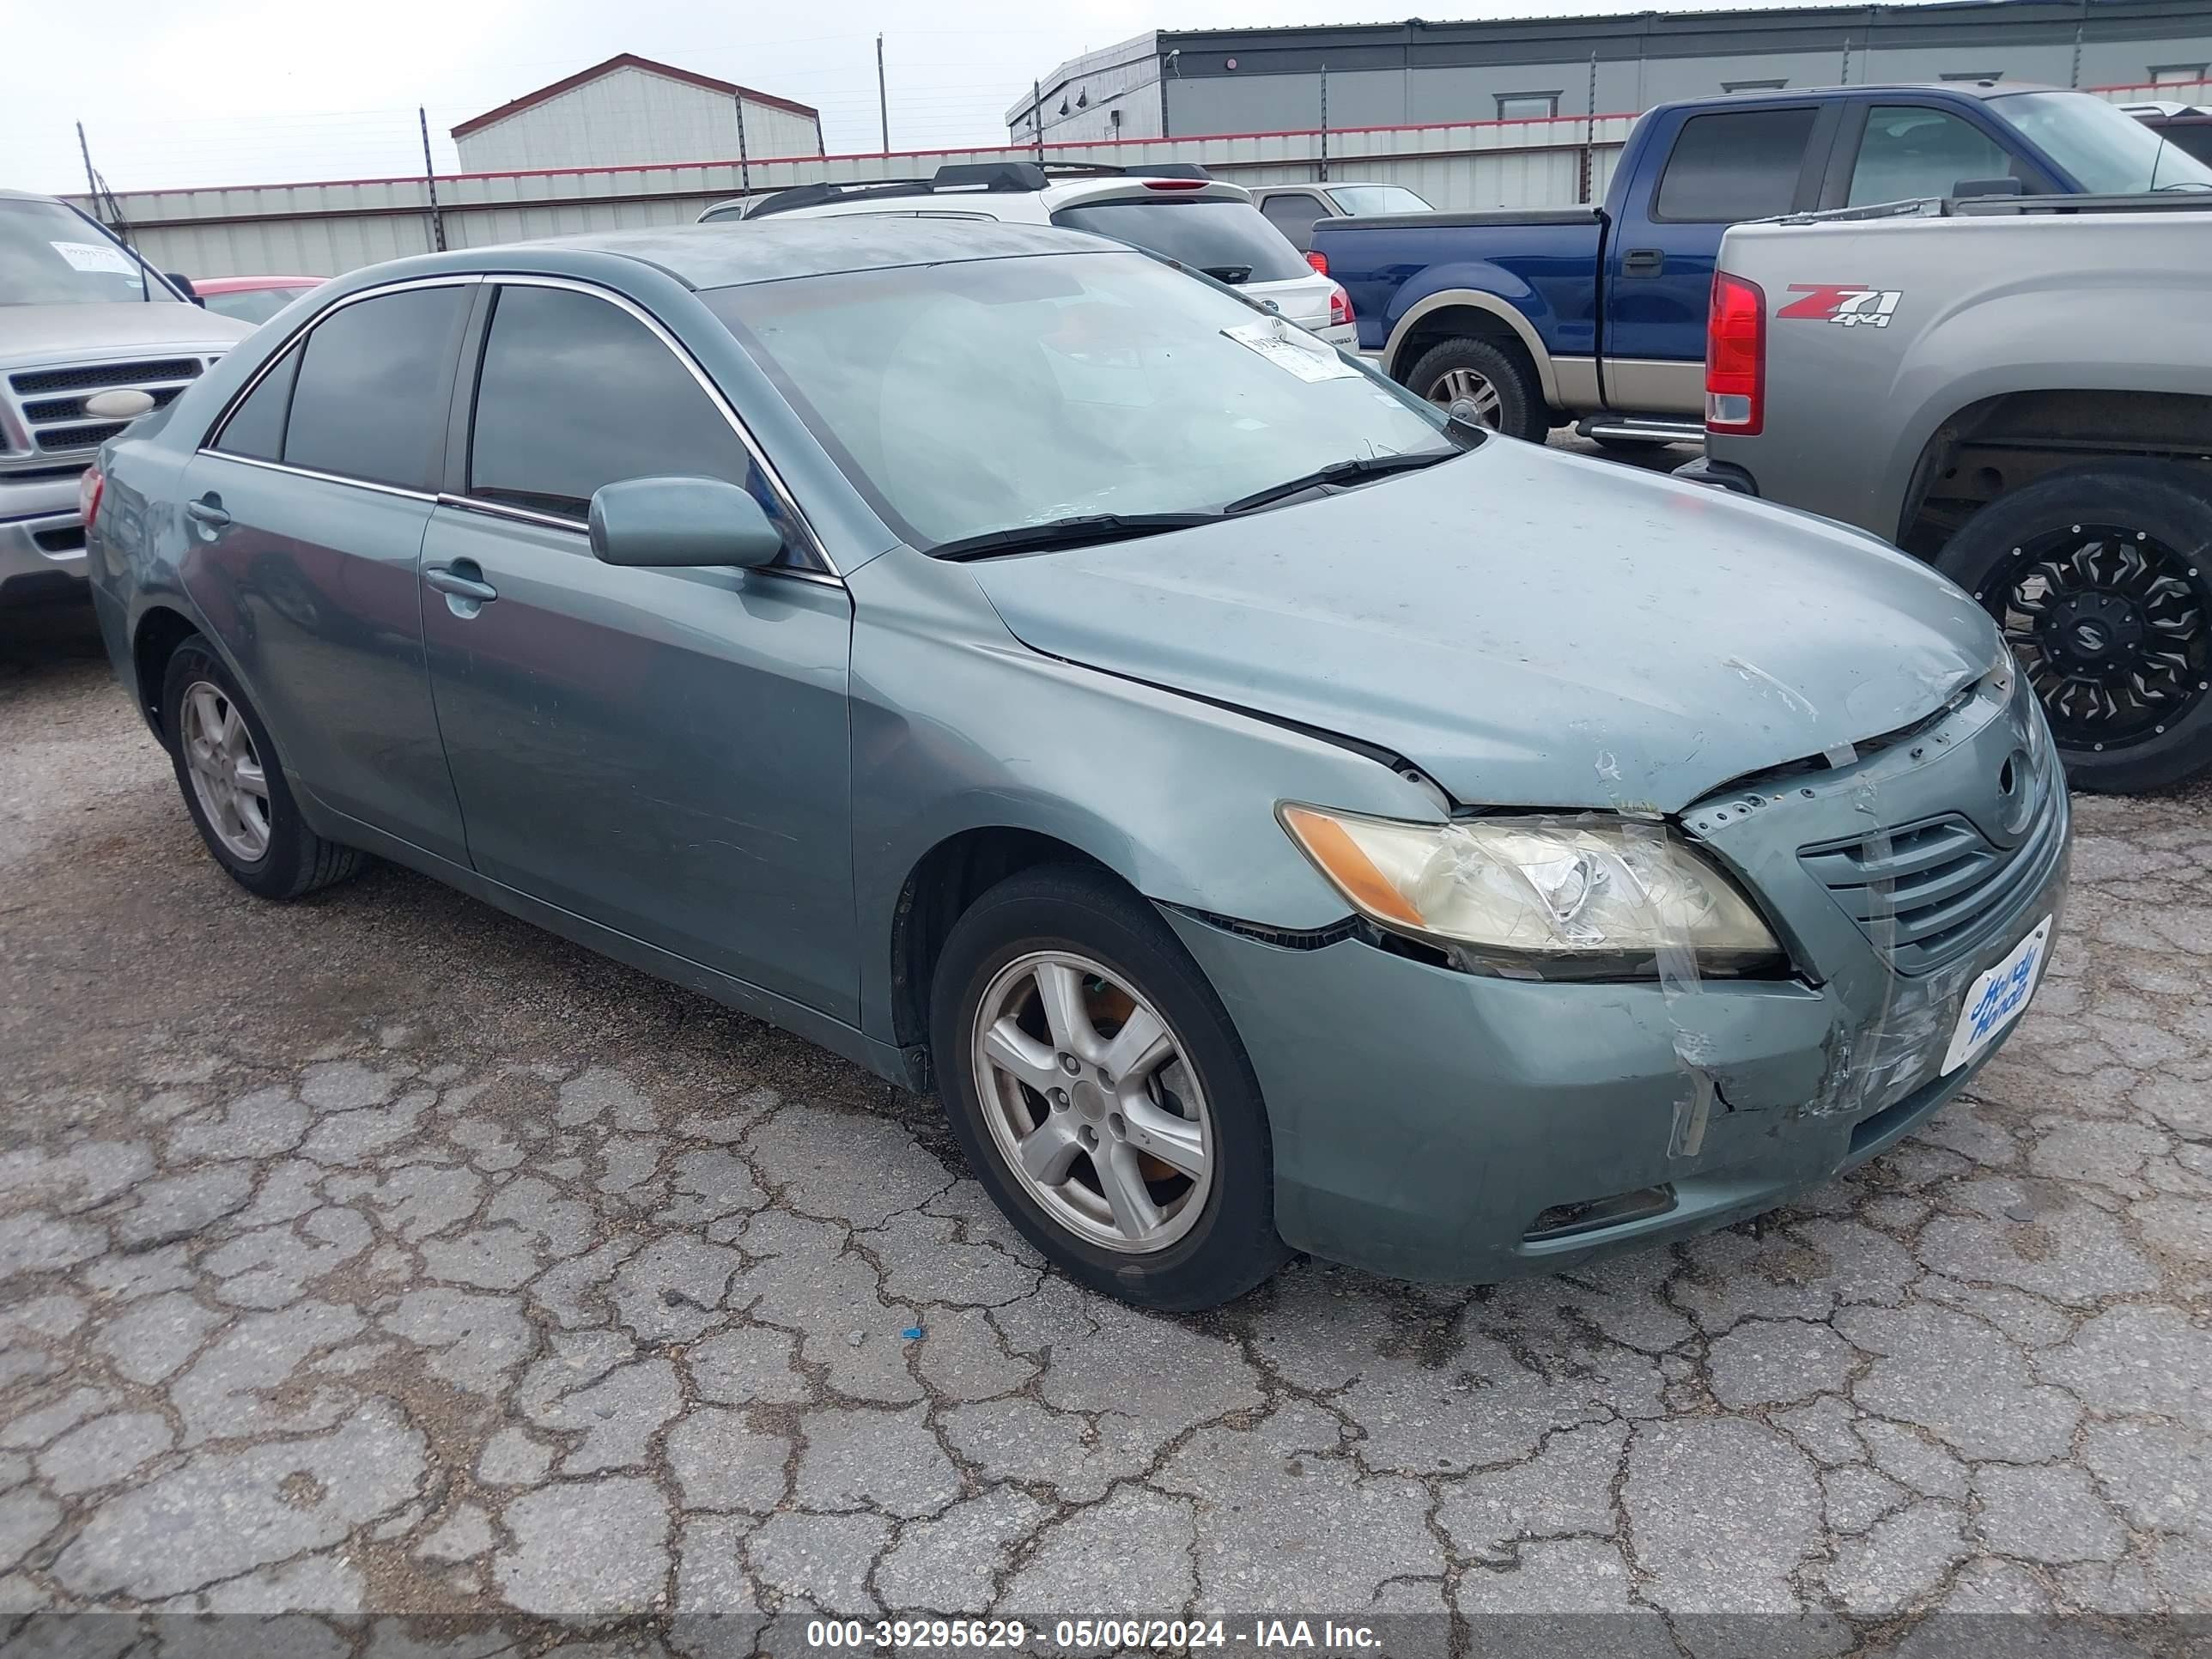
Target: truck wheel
1497, 381
2101, 577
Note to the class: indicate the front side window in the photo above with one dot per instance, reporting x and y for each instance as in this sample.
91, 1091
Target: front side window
2108, 153
1737, 165
370, 398
1910, 150
992, 394
1228, 240
51, 255
574, 393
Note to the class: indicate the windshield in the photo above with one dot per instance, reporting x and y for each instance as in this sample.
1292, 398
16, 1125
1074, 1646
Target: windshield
996, 394
1378, 199
52, 256
1228, 240
2108, 153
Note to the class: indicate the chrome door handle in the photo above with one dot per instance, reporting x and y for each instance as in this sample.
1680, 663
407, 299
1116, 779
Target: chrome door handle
446, 579
208, 510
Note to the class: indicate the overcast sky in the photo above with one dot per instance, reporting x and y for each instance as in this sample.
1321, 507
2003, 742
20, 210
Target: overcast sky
227, 92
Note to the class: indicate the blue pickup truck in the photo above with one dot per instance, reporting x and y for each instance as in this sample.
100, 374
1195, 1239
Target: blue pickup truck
1597, 314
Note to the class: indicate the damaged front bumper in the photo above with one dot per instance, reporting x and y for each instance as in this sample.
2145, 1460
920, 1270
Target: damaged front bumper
1430, 1123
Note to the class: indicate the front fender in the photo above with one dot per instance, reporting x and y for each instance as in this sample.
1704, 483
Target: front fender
958, 725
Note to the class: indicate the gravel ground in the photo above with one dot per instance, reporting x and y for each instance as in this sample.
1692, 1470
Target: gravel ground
380, 1254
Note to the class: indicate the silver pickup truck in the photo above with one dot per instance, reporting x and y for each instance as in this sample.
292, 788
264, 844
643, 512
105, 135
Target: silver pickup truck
89, 336
2020, 392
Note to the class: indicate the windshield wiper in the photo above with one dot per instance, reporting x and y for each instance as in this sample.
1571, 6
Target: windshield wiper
1362, 466
1083, 530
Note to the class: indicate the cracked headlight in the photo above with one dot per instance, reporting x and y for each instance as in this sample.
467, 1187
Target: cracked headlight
1590, 895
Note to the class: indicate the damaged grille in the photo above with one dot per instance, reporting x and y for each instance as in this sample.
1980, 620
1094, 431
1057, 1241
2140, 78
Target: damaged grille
1940, 888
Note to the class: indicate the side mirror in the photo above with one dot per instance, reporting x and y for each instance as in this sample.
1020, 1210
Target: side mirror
669, 522
1971, 188
183, 284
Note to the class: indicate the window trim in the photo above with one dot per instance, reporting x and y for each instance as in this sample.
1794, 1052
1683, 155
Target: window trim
813, 547
210, 441
1501, 98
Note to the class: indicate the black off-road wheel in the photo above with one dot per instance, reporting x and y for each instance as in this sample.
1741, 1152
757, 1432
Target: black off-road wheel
2101, 577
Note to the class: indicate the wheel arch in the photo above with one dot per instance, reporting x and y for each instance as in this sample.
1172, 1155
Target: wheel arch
160, 629
1458, 313
942, 884
2002, 440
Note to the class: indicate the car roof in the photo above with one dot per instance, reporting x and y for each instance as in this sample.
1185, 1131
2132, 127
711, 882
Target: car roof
242, 285
731, 252
1984, 90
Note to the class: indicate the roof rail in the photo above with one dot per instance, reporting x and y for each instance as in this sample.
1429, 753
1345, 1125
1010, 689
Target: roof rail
800, 195
960, 176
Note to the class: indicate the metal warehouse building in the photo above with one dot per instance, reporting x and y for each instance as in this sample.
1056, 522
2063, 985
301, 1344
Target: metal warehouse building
1186, 84
632, 111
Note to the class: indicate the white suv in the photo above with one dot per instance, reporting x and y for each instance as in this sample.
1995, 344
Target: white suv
1173, 210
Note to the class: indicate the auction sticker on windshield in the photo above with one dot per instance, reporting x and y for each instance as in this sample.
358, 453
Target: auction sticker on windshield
1994, 1001
1316, 362
93, 256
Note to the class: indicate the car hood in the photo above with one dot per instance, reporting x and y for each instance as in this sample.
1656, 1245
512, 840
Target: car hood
1531, 629
34, 335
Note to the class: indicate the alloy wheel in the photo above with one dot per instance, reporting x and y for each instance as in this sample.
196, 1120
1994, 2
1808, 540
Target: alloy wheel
2110, 625
1092, 1103
226, 770
1472, 386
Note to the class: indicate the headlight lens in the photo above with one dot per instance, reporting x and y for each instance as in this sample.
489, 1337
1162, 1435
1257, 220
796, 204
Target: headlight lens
1589, 896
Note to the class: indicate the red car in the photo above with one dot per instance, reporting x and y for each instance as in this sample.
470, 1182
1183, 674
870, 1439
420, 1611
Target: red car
252, 299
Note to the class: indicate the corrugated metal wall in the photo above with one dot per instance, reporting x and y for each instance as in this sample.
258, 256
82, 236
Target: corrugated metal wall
329, 228
632, 116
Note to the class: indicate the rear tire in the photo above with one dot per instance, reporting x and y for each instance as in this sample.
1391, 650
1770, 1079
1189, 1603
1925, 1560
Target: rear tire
2101, 576
1499, 379
234, 786
1046, 970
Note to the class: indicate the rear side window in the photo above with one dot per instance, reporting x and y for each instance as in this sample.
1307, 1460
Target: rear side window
1227, 241
1293, 214
1737, 165
370, 401
575, 393
256, 428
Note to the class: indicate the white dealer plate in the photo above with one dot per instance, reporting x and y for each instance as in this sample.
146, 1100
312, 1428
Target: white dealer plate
1994, 1001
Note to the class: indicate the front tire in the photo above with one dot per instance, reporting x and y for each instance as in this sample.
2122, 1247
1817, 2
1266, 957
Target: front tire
1498, 381
2101, 577
1101, 1094
234, 786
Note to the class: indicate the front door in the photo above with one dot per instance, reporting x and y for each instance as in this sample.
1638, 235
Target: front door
306, 520
660, 751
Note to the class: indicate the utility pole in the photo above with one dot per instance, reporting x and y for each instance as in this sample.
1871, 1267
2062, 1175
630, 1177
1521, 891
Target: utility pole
430, 179
91, 179
1037, 115
744, 177
883, 102
1590, 138
1324, 124
2080, 23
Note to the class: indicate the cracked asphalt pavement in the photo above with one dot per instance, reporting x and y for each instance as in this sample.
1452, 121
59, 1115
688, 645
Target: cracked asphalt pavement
382, 1255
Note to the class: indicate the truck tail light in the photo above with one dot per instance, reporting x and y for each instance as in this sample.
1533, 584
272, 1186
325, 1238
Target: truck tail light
1340, 306
1735, 356
89, 486
1318, 260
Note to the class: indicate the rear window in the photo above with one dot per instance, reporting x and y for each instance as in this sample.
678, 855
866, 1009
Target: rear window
1227, 241
1741, 164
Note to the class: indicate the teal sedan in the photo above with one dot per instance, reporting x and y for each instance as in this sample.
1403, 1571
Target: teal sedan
1270, 813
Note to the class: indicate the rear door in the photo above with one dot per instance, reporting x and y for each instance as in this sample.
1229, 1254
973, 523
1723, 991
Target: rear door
662, 752
1720, 166
306, 510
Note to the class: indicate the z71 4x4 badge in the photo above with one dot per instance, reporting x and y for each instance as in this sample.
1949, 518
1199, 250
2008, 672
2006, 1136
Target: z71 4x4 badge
1847, 303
